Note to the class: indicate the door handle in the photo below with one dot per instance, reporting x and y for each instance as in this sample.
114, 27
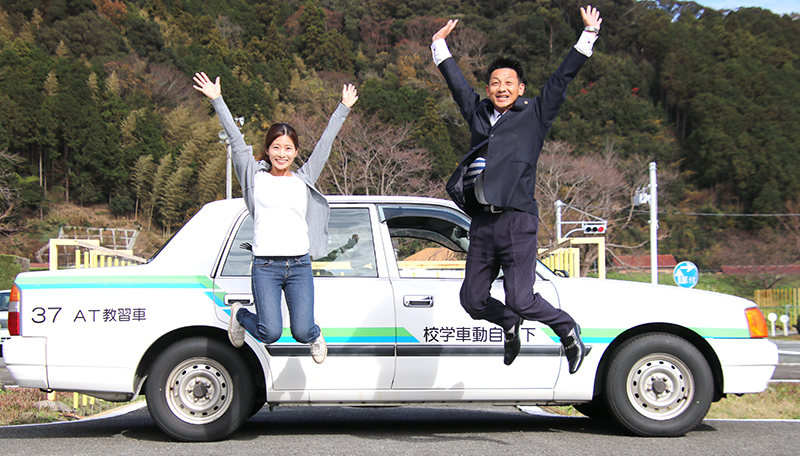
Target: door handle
232, 299
418, 301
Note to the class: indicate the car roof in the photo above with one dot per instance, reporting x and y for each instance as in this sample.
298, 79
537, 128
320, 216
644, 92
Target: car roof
236, 204
388, 199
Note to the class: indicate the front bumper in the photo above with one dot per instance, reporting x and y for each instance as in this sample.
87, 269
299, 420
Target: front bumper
747, 364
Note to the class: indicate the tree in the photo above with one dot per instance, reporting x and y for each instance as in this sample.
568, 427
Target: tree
87, 34
144, 36
229, 31
211, 181
174, 198
599, 184
333, 54
762, 259
158, 198
312, 22
377, 161
9, 194
432, 135
142, 177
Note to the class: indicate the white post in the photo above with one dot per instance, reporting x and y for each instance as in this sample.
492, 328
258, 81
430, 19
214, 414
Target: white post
228, 192
558, 220
653, 225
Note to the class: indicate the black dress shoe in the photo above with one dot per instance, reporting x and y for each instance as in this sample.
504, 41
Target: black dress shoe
512, 345
573, 346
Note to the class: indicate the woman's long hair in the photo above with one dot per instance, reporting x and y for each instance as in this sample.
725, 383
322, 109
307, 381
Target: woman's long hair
276, 131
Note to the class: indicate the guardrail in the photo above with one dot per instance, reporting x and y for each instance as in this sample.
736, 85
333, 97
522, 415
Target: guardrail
781, 301
89, 254
564, 259
567, 258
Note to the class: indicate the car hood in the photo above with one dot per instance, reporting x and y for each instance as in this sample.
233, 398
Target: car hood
621, 304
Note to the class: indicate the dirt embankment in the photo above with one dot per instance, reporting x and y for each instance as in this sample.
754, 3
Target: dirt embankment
38, 231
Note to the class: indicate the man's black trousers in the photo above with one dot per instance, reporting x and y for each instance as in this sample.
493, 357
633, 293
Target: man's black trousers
508, 240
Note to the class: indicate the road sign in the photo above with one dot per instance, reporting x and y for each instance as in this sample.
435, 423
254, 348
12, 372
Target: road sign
686, 274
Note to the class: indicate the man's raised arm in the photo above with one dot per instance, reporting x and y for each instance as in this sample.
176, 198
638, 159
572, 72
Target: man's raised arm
438, 43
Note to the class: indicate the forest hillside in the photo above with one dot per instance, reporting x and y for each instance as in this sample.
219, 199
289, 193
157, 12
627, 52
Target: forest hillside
96, 106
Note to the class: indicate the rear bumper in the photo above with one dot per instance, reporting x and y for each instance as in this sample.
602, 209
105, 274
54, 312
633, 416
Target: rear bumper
26, 360
747, 364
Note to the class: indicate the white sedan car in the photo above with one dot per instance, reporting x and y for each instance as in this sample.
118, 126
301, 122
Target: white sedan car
387, 303
4, 297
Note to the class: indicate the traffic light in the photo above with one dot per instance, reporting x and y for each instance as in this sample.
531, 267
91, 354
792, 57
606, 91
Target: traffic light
594, 227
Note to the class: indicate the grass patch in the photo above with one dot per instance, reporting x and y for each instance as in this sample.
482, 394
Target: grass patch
721, 283
781, 401
19, 406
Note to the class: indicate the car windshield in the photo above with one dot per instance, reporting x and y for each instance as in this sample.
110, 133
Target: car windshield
4, 297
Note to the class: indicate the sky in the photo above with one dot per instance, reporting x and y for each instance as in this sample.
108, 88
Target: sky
776, 6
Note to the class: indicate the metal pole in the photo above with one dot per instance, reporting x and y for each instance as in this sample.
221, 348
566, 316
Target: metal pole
558, 220
653, 225
228, 191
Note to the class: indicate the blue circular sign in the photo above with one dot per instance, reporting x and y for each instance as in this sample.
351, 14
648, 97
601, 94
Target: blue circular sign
686, 274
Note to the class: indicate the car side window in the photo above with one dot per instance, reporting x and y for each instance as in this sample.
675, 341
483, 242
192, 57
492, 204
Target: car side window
350, 253
351, 250
240, 257
428, 242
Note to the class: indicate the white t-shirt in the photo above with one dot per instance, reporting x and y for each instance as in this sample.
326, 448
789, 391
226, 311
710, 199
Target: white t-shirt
280, 227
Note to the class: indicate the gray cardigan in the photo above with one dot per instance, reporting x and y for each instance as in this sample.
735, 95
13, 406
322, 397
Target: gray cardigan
246, 166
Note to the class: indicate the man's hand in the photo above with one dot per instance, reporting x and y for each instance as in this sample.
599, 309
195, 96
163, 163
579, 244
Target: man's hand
591, 17
210, 89
349, 95
445, 31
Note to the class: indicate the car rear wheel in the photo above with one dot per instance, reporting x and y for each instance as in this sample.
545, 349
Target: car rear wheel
658, 385
200, 389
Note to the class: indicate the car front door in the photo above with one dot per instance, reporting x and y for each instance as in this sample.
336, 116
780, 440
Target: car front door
446, 352
353, 307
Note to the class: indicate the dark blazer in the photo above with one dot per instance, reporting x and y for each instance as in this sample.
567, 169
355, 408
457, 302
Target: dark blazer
512, 146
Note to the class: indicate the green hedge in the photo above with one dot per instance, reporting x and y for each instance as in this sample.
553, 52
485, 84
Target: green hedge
9, 268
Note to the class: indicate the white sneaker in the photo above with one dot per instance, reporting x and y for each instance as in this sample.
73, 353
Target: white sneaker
319, 349
235, 329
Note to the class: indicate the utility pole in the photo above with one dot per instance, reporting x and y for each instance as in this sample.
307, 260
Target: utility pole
223, 138
653, 225
559, 204
652, 199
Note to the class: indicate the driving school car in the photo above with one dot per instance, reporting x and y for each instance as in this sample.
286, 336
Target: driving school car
387, 302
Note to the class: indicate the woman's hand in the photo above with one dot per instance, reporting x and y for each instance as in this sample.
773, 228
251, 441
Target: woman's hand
349, 95
203, 84
591, 17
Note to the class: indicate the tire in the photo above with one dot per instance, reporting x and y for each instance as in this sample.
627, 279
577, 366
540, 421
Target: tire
658, 385
596, 409
199, 389
257, 406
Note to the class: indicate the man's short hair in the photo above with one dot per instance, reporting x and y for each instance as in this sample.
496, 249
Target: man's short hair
505, 62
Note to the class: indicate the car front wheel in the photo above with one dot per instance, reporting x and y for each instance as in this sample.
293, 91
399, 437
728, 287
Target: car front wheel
199, 389
658, 385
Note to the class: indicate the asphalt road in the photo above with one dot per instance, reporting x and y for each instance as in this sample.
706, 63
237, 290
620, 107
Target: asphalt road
436, 430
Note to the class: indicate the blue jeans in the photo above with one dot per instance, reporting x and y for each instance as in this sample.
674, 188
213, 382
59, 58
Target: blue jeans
270, 276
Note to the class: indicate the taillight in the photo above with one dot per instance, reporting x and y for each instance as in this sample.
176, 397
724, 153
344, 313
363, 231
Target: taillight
13, 311
755, 323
